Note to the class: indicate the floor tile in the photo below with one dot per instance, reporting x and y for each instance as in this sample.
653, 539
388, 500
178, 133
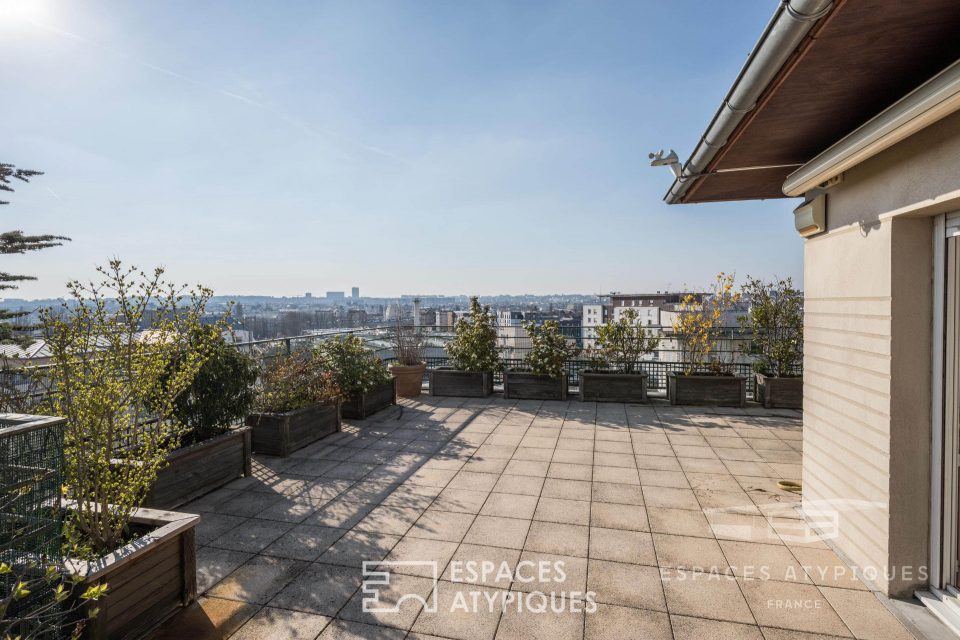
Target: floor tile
685, 628
271, 623
790, 605
685, 552
320, 588
303, 542
509, 505
705, 595
563, 539
563, 511
635, 547
356, 547
623, 623
258, 580
565, 624
450, 619
630, 585
619, 516
493, 531
441, 525
617, 493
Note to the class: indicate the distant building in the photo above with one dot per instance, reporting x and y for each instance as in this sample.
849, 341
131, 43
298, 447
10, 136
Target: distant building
593, 315
308, 295
336, 296
355, 293
444, 319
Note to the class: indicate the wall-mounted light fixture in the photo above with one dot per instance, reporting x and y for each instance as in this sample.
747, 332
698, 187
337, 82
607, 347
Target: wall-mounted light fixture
810, 218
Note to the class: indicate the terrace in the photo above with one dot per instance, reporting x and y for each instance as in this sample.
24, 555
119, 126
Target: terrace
671, 515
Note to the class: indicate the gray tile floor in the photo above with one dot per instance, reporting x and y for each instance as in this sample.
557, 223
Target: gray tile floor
670, 516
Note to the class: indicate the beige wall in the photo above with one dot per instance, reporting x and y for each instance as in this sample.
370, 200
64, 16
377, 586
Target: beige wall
867, 419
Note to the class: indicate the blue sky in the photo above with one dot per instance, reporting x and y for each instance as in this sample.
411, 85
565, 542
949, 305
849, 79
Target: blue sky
401, 146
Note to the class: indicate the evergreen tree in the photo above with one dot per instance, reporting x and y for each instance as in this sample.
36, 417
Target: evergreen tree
17, 242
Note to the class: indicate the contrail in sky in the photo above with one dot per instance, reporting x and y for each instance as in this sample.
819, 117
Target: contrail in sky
306, 127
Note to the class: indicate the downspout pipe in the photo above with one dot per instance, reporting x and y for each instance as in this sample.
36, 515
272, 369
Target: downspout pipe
789, 25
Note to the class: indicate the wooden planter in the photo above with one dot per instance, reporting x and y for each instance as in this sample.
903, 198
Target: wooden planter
779, 393
524, 385
280, 434
611, 386
149, 579
721, 391
447, 381
361, 405
201, 468
409, 379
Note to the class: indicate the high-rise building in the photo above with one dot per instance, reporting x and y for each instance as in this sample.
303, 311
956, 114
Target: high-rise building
336, 296
355, 293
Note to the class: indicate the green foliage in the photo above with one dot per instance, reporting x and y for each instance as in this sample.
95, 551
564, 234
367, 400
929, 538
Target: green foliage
15, 242
293, 382
474, 344
549, 349
40, 601
117, 387
776, 323
354, 367
621, 344
221, 394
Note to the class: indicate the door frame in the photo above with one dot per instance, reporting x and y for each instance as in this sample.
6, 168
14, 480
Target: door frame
945, 387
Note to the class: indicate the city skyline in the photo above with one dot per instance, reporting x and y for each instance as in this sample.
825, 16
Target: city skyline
259, 150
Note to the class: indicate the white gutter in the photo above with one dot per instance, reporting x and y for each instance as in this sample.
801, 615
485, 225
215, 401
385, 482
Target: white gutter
928, 103
790, 24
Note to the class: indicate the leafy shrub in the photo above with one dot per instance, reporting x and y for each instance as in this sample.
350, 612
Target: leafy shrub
621, 344
117, 387
474, 344
697, 324
354, 367
294, 382
40, 601
775, 319
221, 394
549, 349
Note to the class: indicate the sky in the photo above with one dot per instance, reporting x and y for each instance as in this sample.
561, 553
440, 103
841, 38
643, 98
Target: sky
403, 146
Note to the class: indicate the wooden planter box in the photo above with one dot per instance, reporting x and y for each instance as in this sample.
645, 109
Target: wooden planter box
611, 386
200, 468
779, 393
280, 434
722, 391
149, 579
523, 385
447, 381
362, 405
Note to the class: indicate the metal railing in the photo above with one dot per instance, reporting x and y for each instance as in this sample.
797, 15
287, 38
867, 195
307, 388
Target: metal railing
514, 346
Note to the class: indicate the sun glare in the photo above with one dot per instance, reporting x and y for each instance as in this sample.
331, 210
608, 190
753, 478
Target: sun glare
23, 11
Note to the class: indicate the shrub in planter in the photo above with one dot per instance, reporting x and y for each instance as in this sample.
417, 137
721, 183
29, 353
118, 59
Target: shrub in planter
366, 385
544, 377
408, 366
775, 324
117, 387
474, 355
214, 449
614, 374
706, 378
297, 403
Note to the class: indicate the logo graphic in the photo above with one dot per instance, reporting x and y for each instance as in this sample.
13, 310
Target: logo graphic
376, 583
